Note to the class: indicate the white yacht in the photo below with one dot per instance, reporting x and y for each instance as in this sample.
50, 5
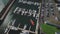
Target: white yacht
22, 12
16, 9
25, 26
19, 10
24, 2
6, 30
13, 21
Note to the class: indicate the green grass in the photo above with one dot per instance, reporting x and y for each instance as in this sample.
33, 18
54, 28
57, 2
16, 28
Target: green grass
49, 29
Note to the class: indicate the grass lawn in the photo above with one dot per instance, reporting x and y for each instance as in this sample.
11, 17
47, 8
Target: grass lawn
49, 29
